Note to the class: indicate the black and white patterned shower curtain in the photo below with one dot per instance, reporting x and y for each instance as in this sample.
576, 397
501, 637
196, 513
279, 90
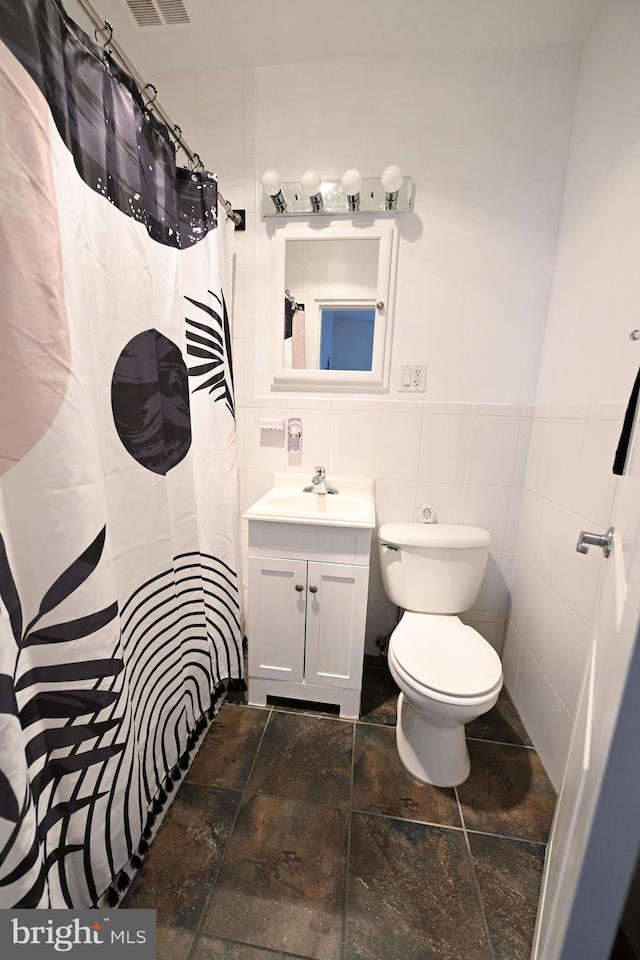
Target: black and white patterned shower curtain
119, 598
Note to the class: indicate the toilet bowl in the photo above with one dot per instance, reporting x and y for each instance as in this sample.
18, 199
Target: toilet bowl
447, 673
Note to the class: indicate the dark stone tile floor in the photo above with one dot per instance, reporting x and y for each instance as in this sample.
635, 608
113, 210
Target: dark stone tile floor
300, 836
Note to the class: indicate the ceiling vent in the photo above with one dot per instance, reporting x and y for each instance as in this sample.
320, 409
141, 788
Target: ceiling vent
159, 13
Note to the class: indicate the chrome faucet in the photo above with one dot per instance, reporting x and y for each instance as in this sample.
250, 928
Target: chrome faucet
319, 483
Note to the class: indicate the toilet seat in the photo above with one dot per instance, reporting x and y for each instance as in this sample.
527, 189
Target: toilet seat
441, 658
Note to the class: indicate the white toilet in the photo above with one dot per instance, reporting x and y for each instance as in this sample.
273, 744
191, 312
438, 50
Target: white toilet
447, 672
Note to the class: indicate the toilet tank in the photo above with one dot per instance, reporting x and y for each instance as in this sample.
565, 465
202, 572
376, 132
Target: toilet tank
433, 567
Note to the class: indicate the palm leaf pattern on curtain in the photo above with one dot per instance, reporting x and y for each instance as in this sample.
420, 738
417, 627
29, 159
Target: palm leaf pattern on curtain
214, 346
38, 688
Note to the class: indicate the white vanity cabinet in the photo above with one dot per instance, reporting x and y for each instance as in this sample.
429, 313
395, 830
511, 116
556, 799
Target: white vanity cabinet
308, 588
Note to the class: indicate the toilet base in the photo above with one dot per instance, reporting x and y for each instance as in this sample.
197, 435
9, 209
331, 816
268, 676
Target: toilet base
433, 753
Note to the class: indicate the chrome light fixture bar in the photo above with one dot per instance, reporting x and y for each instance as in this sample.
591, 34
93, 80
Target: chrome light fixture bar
351, 196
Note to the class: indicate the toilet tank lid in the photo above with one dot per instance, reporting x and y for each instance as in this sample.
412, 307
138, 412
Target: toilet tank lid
433, 535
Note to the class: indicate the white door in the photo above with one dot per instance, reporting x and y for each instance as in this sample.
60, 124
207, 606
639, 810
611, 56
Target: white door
596, 831
277, 602
336, 613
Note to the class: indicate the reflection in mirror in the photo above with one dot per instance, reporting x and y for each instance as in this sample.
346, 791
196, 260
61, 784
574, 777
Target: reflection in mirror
330, 303
346, 337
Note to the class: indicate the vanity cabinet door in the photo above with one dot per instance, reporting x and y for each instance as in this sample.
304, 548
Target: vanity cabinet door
336, 614
277, 618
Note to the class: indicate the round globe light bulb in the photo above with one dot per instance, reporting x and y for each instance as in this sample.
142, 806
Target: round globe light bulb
311, 181
392, 178
271, 182
352, 182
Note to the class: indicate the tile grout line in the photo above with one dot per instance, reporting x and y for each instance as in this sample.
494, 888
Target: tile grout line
506, 836
448, 826
316, 714
296, 800
421, 823
474, 875
345, 907
503, 743
205, 906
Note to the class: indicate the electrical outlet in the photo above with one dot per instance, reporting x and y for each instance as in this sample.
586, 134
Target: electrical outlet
419, 378
413, 378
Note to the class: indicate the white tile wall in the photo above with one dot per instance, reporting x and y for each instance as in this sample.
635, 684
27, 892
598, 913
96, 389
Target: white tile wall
396, 446
395, 501
596, 484
538, 469
568, 487
493, 442
494, 589
511, 658
486, 507
556, 637
544, 714
350, 448
443, 448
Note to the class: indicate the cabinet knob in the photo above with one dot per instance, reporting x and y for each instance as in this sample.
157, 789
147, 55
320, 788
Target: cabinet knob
299, 587
313, 589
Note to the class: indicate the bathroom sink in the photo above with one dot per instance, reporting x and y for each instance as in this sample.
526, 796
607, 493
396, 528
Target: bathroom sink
353, 506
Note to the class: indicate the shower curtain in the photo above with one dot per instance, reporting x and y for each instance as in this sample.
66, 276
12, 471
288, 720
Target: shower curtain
119, 597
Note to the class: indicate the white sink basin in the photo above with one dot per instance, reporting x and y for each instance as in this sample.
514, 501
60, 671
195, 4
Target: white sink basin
348, 508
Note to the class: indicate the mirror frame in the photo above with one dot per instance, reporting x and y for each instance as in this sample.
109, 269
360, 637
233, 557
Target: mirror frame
375, 380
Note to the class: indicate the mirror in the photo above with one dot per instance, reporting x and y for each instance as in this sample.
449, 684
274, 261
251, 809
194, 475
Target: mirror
333, 307
329, 304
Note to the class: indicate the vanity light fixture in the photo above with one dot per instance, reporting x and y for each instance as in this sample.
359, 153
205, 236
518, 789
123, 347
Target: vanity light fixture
272, 186
391, 181
352, 195
311, 183
352, 184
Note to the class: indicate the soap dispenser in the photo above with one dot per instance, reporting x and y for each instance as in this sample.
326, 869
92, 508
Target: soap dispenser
294, 435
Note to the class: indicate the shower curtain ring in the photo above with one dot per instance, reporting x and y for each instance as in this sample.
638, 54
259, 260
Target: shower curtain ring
177, 143
148, 107
150, 102
107, 26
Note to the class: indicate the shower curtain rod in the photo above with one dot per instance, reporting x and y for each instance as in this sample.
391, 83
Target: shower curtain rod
102, 26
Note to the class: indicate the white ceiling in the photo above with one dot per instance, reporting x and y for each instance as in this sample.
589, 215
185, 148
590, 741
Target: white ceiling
258, 32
